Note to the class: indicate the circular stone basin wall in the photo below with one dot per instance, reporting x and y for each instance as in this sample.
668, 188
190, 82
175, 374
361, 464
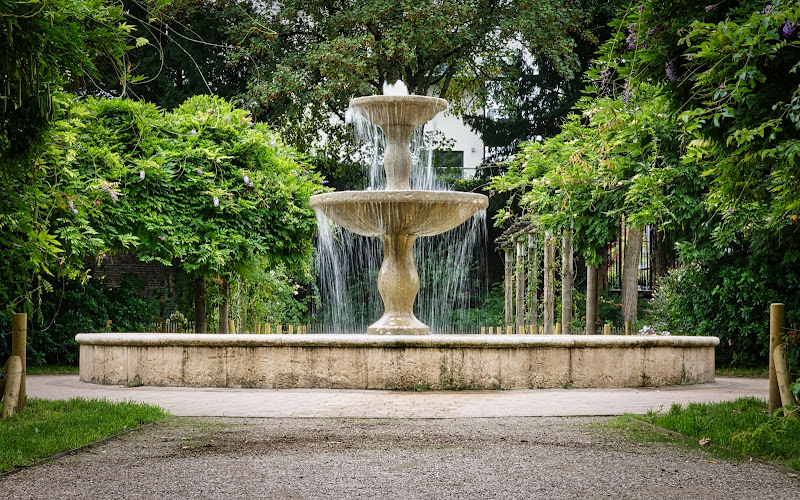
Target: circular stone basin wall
436, 362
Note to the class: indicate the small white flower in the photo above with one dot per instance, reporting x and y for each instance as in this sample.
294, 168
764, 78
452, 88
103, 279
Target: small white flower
216, 201
141, 174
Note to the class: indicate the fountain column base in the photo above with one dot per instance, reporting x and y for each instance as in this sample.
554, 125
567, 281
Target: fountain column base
398, 323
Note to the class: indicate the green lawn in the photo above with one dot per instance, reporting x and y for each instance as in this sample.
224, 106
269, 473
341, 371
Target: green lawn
737, 371
51, 369
743, 426
45, 428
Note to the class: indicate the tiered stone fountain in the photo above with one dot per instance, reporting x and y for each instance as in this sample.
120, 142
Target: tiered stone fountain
401, 354
398, 215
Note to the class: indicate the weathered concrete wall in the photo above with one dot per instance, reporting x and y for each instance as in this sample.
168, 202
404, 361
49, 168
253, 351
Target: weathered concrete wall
394, 362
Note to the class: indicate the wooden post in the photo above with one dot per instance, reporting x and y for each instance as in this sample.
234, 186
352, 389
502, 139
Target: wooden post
291, 329
606, 329
549, 279
777, 320
11, 394
231, 326
630, 273
591, 299
533, 282
520, 285
509, 330
558, 328
566, 282
279, 329
258, 327
509, 304
268, 329
627, 328
19, 347
483, 330
532, 329
782, 375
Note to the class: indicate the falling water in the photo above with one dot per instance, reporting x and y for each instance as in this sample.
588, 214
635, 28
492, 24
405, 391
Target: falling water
451, 265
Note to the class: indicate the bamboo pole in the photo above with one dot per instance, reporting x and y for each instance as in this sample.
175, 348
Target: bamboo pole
777, 320
19, 343
11, 394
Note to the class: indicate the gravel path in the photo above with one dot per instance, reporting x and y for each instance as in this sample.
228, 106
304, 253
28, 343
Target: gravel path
480, 458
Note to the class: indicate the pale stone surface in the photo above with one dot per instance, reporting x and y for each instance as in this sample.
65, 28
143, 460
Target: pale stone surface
395, 362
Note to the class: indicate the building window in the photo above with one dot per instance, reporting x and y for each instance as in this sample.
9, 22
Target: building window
449, 163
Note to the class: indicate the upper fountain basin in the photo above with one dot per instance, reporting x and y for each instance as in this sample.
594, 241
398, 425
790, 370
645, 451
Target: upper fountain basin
385, 110
377, 213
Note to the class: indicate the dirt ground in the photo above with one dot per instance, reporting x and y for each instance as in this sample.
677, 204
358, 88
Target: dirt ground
479, 458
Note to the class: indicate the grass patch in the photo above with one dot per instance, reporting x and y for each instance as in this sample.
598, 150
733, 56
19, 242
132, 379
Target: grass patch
46, 428
744, 426
738, 371
52, 370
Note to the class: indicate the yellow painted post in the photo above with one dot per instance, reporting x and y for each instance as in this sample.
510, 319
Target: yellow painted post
19, 347
777, 320
11, 394
606, 329
558, 328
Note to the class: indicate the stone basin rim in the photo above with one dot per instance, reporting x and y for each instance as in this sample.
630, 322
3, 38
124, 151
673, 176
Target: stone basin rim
389, 341
398, 196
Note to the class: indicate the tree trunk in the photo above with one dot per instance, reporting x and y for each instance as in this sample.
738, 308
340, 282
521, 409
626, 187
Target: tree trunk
223, 307
533, 282
549, 279
602, 271
200, 324
566, 283
520, 282
630, 273
241, 305
591, 299
509, 290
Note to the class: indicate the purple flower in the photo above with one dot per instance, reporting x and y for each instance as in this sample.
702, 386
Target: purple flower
768, 9
141, 174
162, 237
216, 201
251, 184
730, 211
641, 7
788, 29
324, 181
71, 204
709, 8
75, 211
626, 94
670, 71
199, 171
246, 179
193, 133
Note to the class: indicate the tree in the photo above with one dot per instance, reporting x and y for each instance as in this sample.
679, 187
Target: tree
46, 43
203, 187
530, 95
312, 56
187, 53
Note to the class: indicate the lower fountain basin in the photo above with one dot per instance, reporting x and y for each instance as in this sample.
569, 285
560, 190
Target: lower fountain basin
404, 362
419, 213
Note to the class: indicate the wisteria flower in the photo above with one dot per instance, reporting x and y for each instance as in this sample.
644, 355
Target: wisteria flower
200, 171
788, 29
246, 179
669, 69
162, 237
768, 9
251, 184
141, 174
193, 133
72, 207
216, 201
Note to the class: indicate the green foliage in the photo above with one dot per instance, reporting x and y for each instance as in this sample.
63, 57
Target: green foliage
45, 44
46, 428
743, 425
79, 308
729, 299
